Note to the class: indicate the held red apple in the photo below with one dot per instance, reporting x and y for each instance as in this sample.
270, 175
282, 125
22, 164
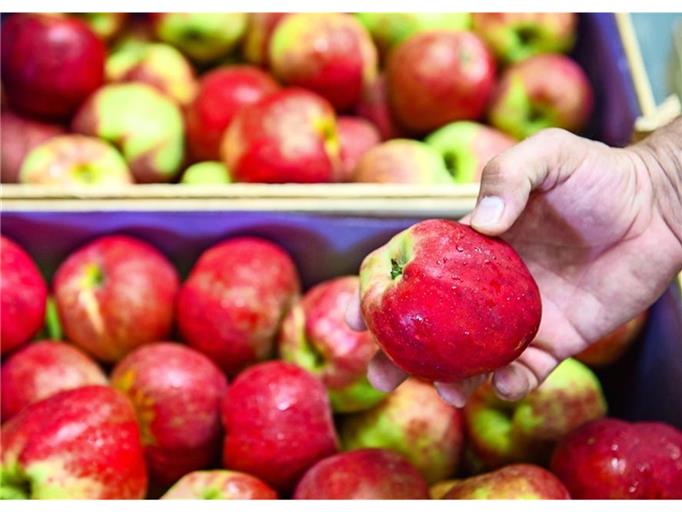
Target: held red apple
222, 93
115, 294
541, 92
258, 34
356, 136
278, 423
437, 77
176, 393
415, 422
502, 432
315, 336
23, 294
231, 305
374, 107
331, 54
362, 475
78, 444
50, 63
445, 302
611, 347
219, 484
288, 136
40, 370
614, 459
514, 482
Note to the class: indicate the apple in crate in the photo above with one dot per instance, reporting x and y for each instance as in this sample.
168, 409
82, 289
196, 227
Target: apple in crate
611, 347
615, 459
23, 294
50, 64
415, 422
446, 303
206, 173
107, 25
502, 432
437, 77
258, 34
541, 92
75, 160
40, 370
356, 136
176, 393
288, 136
374, 107
143, 123
219, 484
315, 336
222, 93
78, 444
278, 423
115, 294
466, 147
514, 482
368, 474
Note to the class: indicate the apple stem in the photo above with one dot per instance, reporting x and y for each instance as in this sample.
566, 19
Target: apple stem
396, 269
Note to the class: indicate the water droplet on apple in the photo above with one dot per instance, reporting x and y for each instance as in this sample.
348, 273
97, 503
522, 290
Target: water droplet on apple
460, 248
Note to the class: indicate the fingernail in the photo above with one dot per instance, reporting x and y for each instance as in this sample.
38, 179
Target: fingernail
488, 212
511, 384
452, 396
378, 380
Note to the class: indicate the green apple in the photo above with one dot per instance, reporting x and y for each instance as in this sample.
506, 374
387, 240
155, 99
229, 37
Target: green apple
106, 25
206, 173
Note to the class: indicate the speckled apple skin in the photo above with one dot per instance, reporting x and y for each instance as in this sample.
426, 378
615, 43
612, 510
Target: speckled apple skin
219, 484
278, 423
80, 443
176, 392
462, 303
369, 474
615, 459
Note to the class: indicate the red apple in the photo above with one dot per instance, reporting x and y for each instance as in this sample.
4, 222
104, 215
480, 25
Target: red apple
42, 369
437, 77
222, 93
78, 444
23, 294
231, 305
289, 136
611, 347
374, 107
445, 302
278, 423
50, 63
176, 392
315, 336
258, 34
369, 474
614, 459
219, 484
115, 294
356, 136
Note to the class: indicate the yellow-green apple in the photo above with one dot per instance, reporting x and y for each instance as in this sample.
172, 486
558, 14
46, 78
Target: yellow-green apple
500, 432
156, 64
514, 36
315, 336
222, 93
203, 36
401, 161
368, 474
466, 147
19, 135
115, 294
23, 294
446, 303
107, 25
331, 54
278, 423
415, 422
143, 123
437, 77
75, 160
615, 459
356, 136
219, 484
176, 392
81, 443
440, 489
205, 173
234, 299
258, 34
544, 91
611, 347
41, 369
288, 136
50, 64
514, 482
374, 107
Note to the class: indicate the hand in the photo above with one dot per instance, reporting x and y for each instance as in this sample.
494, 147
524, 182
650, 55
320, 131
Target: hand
596, 227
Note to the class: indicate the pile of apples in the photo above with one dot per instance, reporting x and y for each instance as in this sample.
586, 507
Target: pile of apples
109, 98
264, 394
